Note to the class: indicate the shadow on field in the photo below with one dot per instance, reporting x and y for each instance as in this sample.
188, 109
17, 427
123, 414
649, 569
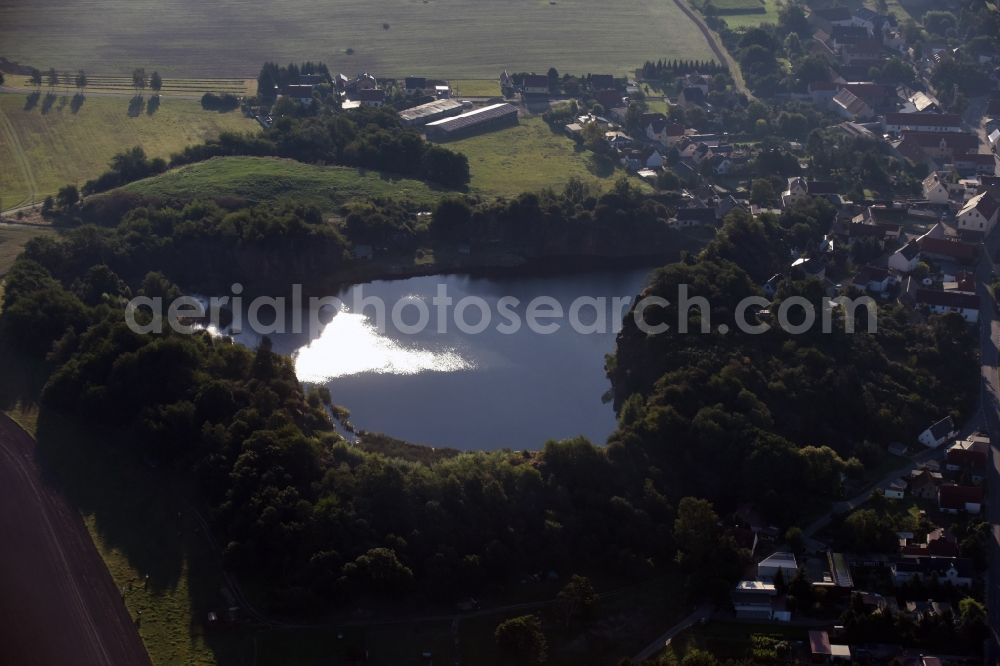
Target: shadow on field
31, 101
153, 105
77, 103
136, 105
49, 102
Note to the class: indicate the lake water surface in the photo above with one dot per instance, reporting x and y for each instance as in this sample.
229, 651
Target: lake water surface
470, 390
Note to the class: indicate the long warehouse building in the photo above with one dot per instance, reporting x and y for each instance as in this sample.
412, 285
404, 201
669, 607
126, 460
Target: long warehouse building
490, 117
431, 111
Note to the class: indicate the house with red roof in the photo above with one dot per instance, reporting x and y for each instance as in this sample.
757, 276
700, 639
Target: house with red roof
958, 499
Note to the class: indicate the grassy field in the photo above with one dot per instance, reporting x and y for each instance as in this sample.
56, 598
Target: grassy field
12, 241
273, 179
42, 149
526, 158
475, 87
447, 38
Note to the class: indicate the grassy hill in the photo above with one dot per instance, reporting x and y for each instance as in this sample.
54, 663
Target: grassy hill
527, 158
274, 179
450, 38
42, 149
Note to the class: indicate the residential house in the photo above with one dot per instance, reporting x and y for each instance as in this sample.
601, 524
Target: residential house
924, 483
937, 146
769, 567
922, 122
770, 288
969, 455
823, 92
373, 97
759, 606
896, 489
965, 303
693, 217
617, 139
655, 160
906, 258
811, 267
976, 163
957, 571
979, 213
935, 189
874, 279
830, 17
946, 249
535, 84
850, 106
415, 86
938, 433
957, 499
922, 102
937, 543
602, 82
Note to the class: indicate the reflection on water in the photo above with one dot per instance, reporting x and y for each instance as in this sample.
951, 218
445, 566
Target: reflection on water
351, 345
468, 391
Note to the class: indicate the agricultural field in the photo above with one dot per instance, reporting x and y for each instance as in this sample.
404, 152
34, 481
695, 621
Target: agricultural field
12, 241
259, 179
743, 13
447, 38
527, 158
44, 145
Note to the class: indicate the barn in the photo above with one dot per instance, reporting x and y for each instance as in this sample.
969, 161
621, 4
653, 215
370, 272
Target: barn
487, 118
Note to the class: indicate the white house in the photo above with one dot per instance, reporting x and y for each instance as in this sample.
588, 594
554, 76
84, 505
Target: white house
935, 189
938, 433
978, 214
922, 122
957, 571
906, 258
769, 567
896, 489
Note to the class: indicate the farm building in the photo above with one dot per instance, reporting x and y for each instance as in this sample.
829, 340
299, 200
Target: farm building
431, 111
490, 117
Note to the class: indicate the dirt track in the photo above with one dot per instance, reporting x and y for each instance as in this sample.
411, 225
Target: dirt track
58, 603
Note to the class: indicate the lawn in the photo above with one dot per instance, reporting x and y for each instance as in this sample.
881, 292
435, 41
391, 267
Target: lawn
745, 13
13, 240
42, 149
475, 87
527, 158
273, 179
445, 38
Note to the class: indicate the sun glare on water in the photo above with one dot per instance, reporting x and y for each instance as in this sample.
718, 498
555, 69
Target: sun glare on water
351, 345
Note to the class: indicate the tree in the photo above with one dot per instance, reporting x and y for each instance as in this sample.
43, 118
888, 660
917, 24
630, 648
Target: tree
972, 620
939, 22
762, 192
696, 528
520, 640
81, 80
36, 77
139, 79
1, 78
578, 598
451, 218
68, 197
53, 77
155, 82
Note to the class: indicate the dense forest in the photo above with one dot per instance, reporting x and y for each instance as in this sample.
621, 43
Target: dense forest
772, 419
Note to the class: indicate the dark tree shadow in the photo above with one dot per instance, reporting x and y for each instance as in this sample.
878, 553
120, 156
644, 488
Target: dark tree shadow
153, 105
136, 105
77, 103
32, 100
48, 102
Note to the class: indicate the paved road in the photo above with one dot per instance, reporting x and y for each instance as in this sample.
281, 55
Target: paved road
699, 614
58, 603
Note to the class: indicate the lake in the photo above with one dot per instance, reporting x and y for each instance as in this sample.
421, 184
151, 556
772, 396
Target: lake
443, 374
